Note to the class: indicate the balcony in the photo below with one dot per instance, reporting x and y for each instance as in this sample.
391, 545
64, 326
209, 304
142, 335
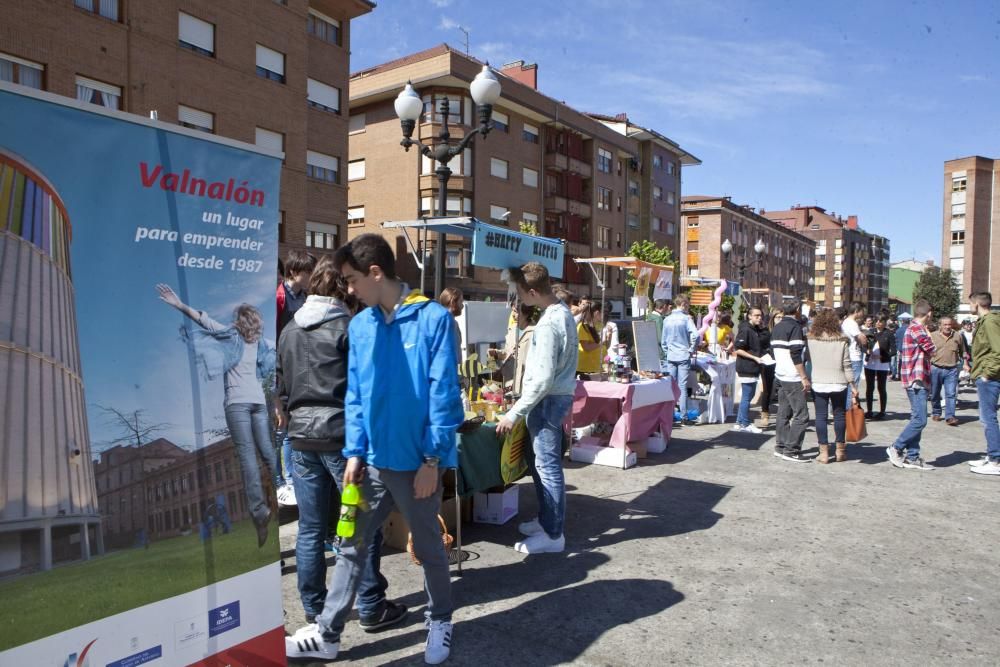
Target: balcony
557, 203
562, 162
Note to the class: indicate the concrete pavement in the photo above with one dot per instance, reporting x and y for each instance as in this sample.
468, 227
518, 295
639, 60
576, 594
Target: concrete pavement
716, 552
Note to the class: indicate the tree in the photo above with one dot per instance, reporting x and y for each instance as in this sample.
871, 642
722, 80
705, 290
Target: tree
132, 427
530, 228
648, 251
940, 289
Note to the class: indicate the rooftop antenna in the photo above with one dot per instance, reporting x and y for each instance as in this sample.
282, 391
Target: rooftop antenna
466, 33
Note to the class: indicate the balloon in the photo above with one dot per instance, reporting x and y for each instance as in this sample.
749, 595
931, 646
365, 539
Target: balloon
713, 308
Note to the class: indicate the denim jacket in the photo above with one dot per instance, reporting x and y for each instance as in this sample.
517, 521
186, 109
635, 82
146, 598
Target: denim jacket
218, 351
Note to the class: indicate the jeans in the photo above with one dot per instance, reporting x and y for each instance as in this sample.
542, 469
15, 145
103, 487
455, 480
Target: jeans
948, 379
824, 402
743, 415
316, 475
909, 439
871, 378
381, 489
894, 367
859, 368
681, 371
544, 423
285, 445
250, 429
792, 418
989, 395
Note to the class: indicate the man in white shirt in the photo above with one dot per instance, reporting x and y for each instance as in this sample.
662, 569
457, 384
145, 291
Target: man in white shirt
851, 327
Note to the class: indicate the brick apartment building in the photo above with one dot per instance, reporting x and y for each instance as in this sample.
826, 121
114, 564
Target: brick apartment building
971, 212
570, 175
165, 489
709, 221
270, 72
851, 264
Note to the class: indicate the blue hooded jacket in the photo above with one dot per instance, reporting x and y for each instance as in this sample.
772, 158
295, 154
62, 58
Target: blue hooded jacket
403, 401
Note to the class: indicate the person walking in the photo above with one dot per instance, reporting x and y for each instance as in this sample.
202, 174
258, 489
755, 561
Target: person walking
946, 364
680, 339
312, 385
832, 374
986, 374
793, 384
859, 341
881, 351
915, 374
749, 350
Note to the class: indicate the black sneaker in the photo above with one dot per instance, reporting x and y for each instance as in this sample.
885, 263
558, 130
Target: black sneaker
388, 615
794, 456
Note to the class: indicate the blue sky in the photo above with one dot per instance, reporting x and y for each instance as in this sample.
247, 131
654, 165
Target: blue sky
850, 105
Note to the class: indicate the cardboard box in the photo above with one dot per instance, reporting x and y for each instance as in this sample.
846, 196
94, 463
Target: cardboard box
656, 443
639, 448
395, 530
615, 457
495, 508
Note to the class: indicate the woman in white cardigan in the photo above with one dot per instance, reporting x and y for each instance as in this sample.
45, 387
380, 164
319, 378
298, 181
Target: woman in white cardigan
831, 374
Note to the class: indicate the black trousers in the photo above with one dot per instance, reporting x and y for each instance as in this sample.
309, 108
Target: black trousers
870, 378
767, 393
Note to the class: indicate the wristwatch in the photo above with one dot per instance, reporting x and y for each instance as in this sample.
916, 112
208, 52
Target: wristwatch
432, 461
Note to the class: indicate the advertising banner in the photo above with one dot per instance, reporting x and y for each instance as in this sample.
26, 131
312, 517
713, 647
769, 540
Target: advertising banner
137, 317
500, 248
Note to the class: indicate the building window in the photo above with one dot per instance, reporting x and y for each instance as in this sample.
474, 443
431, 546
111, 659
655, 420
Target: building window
604, 160
633, 188
671, 227
957, 238
322, 167
657, 193
529, 177
101, 94
957, 210
24, 72
499, 214
959, 184
356, 216
356, 124
530, 134
356, 170
656, 224
322, 96
270, 64
195, 119
428, 205
323, 27
603, 237
321, 236
195, 34
670, 168
657, 162
107, 8
633, 221
498, 167
692, 221
432, 108
671, 198
274, 141
603, 199
501, 122
530, 219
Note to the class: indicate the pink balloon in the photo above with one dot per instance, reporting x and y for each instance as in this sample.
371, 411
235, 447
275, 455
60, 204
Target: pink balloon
713, 308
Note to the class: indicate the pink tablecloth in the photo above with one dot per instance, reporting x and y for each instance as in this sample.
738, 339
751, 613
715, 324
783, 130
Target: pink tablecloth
637, 409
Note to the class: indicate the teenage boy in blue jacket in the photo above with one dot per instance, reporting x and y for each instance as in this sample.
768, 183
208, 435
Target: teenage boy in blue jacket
403, 406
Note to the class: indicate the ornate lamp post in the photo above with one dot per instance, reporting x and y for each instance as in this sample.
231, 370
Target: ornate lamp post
485, 91
759, 249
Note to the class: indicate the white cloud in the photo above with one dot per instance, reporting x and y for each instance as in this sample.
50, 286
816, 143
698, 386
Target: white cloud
441, 3
973, 78
448, 23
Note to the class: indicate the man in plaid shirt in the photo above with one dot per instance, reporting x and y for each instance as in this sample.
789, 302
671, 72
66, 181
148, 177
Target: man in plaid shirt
915, 373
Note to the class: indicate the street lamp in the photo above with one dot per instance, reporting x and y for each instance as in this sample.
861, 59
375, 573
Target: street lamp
759, 248
485, 91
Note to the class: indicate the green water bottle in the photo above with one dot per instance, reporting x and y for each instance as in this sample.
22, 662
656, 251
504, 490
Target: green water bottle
349, 500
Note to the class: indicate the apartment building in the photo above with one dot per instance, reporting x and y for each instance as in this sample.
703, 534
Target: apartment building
851, 264
903, 279
544, 166
270, 72
971, 211
708, 221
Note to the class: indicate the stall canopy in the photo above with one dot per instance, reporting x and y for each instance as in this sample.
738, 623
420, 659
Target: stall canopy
660, 275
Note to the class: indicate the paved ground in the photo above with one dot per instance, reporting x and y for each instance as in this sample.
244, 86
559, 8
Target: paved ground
716, 552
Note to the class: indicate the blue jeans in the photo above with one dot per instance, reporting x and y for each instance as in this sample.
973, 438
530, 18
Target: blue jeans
823, 403
250, 429
859, 371
909, 439
947, 378
680, 370
315, 476
743, 415
545, 424
989, 395
285, 446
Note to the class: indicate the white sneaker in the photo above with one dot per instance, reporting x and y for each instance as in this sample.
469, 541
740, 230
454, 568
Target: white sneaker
286, 496
752, 429
979, 462
529, 528
438, 646
895, 456
541, 544
308, 642
989, 468
738, 428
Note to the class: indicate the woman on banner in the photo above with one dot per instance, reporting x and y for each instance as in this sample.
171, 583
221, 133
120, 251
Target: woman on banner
239, 352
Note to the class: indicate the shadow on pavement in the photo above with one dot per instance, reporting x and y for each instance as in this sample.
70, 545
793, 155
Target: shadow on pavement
956, 458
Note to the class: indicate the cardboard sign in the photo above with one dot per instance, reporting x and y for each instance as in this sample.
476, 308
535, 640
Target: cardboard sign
647, 348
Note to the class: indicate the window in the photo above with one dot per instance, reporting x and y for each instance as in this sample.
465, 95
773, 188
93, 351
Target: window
603, 237
453, 261
633, 188
432, 108
604, 160
24, 72
356, 124
356, 216
603, 199
530, 134
633, 221
957, 210
530, 219
692, 221
657, 162
195, 119
670, 168
322, 236
498, 214
101, 94
274, 141
270, 64
671, 198
323, 27
195, 34
501, 122
106, 8
322, 96
957, 238
656, 224
428, 205
498, 167
529, 177
356, 170
671, 227
657, 193
322, 167
959, 184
